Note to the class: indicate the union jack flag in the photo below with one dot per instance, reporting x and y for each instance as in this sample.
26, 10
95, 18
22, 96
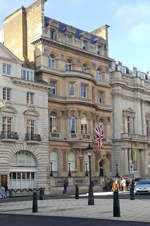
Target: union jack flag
99, 135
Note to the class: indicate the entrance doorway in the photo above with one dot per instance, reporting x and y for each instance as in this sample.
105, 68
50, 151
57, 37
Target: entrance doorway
3, 180
101, 165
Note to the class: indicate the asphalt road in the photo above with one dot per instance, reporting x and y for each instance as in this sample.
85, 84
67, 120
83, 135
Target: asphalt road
21, 220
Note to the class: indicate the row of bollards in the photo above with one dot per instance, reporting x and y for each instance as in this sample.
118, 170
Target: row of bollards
116, 204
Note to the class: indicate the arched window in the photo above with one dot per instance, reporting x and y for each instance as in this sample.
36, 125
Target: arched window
99, 74
22, 171
84, 68
71, 160
84, 125
52, 61
101, 123
54, 160
53, 122
86, 162
73, 124
69, 65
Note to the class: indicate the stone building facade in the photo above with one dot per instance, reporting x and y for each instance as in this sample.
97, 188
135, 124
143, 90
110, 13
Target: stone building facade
75, 64
130, 101
24, 145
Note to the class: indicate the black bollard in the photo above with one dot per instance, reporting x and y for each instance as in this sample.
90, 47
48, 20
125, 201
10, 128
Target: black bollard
132, 195
35, 206
116, 207
41, 194
77, 192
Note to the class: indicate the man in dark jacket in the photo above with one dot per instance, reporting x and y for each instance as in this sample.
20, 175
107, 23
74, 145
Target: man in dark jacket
6, 189
65, 188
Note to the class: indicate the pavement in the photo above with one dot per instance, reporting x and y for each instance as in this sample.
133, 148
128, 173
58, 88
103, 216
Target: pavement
131, 210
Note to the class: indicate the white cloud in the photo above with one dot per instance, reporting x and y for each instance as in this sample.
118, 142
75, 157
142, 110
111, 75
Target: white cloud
133, 13
140, 33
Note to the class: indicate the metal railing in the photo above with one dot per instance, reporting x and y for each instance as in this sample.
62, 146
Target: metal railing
32, 137
9, 135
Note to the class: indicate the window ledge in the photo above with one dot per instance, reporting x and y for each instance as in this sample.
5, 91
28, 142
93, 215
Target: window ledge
8, 140
31, 105
33, 142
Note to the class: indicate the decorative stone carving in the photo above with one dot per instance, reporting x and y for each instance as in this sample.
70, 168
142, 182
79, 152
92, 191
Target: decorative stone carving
45, 51
78, 61
70, 29
93, 65
85, 35
63, 113
53, 23
62, 56
79, 111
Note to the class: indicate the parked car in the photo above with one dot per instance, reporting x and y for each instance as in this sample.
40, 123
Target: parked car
142, 187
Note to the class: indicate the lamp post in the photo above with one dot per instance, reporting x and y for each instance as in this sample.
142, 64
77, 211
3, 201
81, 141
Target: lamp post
69, 174
90, 197
86, 170
117, 174
51, 174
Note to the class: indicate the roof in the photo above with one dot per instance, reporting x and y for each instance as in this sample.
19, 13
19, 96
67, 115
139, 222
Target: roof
78, 31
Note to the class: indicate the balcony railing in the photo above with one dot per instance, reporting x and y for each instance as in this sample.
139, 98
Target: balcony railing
133, 136
32, 137
9, 135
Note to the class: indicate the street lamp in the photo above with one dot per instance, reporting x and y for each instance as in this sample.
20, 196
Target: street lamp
117, 174
51, 174
90, 198
69, 174
86, 170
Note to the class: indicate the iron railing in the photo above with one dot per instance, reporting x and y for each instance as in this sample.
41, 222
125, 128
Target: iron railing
9, 135
32, 137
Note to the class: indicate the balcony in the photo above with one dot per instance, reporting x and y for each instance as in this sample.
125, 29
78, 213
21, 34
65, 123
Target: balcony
133, 136
9, 136
31, 137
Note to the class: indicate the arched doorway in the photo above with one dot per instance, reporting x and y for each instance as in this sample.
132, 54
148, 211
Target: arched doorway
101, 167
22, 171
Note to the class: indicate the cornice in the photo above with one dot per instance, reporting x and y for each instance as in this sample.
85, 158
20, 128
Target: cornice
79, 103
26, 83
44, 40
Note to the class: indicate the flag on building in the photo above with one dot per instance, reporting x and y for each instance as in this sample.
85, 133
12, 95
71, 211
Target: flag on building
99, 135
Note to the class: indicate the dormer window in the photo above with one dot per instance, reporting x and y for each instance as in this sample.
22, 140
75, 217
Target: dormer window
68, 40
98, 50
84, 45
51, 34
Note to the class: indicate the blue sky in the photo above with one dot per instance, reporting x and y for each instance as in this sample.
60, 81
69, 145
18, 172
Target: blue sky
129, 21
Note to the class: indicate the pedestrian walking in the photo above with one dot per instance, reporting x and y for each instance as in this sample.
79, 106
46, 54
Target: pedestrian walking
124, 184
65, 188
114, 186
110, 184
121, 185
2, 191
6, 189
127, 184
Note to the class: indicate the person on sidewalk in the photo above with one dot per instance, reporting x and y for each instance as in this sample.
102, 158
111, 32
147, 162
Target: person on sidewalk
6, 189
121, 185
114, 187
2, 191
65, 188
124, 184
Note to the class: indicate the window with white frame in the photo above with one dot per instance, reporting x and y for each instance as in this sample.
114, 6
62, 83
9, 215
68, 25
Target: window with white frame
52, 33
27, 75
128, 124
6, 69
98, 50
53, 91
71, 89
30, 98
86, 162
69, 65
100, 95
71, 160
54, 160
53, 122
72, 124
84, 124
99, 74
147, 128
7, 126
30, 127
135, 160
83, 91
7, 93
84, 68
84, 45
52, 61
69, 40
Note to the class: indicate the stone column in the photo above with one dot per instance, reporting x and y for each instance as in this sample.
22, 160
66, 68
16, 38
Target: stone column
138, 118
143, 118
126, 161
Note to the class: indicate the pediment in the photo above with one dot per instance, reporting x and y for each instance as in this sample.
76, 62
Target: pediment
85, 35
70, 29
7, 54
129, 110
32, 112
147, 115
53, 23
9, 109
100, 40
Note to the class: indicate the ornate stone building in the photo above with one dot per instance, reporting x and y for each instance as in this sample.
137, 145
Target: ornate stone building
75, 64
24, 146
130, 98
